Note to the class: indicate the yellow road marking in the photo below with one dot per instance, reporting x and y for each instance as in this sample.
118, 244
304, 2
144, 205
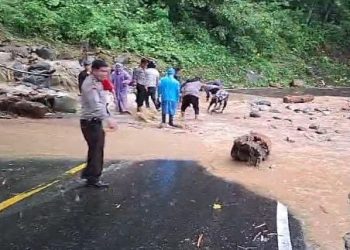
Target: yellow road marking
76, 169
21, 196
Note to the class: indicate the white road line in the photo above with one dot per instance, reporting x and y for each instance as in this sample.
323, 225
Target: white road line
283, 233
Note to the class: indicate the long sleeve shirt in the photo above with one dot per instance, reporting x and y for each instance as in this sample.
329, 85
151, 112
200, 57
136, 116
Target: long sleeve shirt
93, 99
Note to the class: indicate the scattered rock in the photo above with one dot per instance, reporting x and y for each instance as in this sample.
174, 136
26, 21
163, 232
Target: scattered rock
346, 239
307, 110
297, 83
264, 108
302, 129
252, 148
274, 127
290, 140
277, 118
312, 118
255, 114
289, 120
298, 99
321, 131
337, 132
314, 126
289, 107
321, 109
263, 102
297, 110
276, 111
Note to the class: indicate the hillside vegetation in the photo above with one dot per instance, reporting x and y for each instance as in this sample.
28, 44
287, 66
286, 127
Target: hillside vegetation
272, 41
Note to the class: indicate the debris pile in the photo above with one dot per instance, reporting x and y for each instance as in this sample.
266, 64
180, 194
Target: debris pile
34, 102
252, 148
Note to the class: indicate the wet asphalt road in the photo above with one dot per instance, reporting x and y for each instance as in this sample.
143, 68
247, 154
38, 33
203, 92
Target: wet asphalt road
149, 205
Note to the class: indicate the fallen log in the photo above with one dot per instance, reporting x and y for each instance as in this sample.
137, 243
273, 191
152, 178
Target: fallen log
298, 99
252, 148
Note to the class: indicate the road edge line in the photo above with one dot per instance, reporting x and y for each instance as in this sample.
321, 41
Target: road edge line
21, 196
283, 233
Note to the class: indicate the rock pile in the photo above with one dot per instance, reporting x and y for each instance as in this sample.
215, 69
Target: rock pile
252, 148
34, 102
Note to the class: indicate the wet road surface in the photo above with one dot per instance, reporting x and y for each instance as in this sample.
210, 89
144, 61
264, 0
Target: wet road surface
149, 205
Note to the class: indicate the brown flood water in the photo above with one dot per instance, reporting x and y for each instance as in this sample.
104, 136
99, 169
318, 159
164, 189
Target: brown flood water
311, 176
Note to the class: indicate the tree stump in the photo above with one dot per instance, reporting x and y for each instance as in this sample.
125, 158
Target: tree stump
298, 99
252, 148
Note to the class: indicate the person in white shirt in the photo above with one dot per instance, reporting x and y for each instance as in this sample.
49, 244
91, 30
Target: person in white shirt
152, 80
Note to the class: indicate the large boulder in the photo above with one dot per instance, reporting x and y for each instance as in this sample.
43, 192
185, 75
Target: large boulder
18, 66
43, 80
39, 67
252, 148
297, 83
65, 104
29, 109
298, 99
45, 53
6, 102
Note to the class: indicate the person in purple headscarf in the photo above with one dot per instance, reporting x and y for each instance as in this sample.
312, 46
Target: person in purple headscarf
121, 80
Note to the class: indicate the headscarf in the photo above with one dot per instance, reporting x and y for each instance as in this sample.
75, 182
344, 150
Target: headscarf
119, 66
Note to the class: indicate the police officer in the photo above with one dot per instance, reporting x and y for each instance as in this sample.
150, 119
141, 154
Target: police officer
92, 115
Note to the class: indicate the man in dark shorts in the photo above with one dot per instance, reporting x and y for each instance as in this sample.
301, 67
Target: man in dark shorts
190, 96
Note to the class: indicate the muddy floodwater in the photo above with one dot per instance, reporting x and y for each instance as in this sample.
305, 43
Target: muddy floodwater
308, 169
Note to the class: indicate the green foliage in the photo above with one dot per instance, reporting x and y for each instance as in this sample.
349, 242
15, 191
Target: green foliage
278, 39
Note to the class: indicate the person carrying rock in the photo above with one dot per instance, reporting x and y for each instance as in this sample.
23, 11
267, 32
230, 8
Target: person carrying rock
211, 89
190, 96
93, 113
139, 78
83, 74
169, 93
121, 80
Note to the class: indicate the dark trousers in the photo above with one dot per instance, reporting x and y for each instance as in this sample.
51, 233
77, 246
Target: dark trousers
187, 100
152, 93
95, 137
141, 95
171, 119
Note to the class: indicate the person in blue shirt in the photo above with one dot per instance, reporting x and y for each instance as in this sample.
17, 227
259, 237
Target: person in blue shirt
169, 93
